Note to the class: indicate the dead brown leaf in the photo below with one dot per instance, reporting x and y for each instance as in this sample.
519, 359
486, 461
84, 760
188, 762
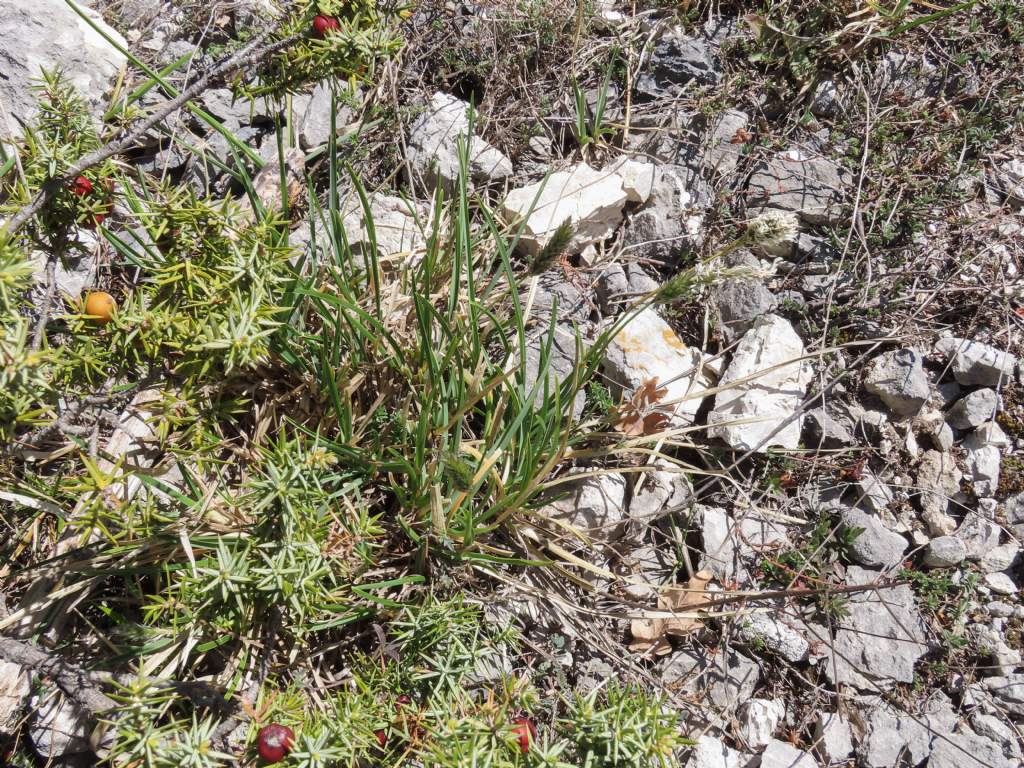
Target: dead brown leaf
639, 416
650, 636
742, 136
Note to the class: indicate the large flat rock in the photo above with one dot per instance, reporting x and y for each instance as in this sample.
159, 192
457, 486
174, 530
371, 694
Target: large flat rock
591, 201
47, 34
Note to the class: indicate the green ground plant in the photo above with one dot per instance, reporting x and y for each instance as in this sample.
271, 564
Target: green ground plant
812, 563
438, 699
341, 445
419, 443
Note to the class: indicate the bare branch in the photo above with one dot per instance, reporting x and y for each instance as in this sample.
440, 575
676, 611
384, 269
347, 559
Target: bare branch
248, 55
77, 683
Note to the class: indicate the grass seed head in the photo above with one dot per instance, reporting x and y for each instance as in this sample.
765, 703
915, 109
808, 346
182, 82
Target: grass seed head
772, 228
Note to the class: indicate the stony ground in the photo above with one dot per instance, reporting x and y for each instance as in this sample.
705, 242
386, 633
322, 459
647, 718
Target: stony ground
799, 510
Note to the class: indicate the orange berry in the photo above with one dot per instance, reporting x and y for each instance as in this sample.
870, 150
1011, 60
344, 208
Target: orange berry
101, 306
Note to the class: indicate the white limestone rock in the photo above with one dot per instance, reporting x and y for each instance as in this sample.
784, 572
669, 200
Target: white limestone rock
48, 34
895, 642
833, 738
595, 505
938, 480
974, 409
398, 229
591, 201
898, 378
647, 348
974, 363
637, 178
60, 726
758, 721
710, 752
433, 148
780, 754
658, 493
775, 635
983, 448
945, 552
763, 389
727, 541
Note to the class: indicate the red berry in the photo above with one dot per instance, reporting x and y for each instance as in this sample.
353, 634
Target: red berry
81, 186
324, 24
402, 701
95, 220
382, 738
526, 731
274, 741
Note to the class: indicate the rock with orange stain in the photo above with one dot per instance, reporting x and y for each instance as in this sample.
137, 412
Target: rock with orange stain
647, 348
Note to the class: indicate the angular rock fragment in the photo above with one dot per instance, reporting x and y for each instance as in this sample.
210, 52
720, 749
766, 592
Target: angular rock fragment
670, 224
876, 546
775, 635
974, 409
898, 378
315, 123
881, 638
676, 60
60, 727
762, 389
977, 364
779, 754
979, 534
887, 734
595, 505
638, 178
658, 493
49, 35
983, 448
398, 227
648, 349
727, 541
741, 300
590, 201
938, 479
561, 366
797, 180
725, 141
759, 719
433, 148
833, 738
710, 752
945, 552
